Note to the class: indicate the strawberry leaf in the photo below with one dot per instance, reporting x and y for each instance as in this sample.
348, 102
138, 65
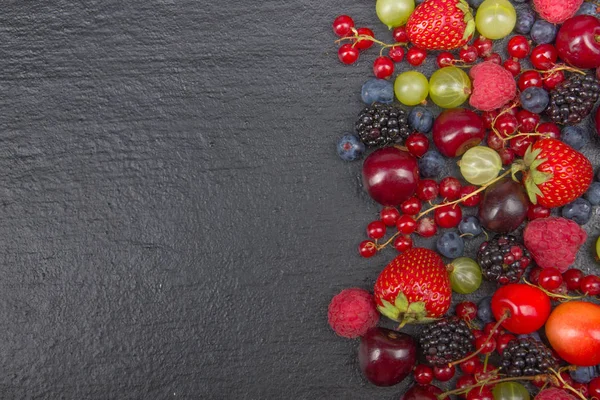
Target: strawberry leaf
401, 303
389, 310
417, 309
533, 191
531, 155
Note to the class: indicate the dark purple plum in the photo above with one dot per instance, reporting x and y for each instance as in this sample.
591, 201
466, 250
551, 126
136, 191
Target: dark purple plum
504, 206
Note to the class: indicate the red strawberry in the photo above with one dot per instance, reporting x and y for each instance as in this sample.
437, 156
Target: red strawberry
414, 287
555, 173
441, 25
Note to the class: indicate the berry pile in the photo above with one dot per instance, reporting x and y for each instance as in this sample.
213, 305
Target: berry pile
521, 193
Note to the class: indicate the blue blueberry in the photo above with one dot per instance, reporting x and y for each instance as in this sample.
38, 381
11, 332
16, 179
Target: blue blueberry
475, 3
585, 374
574, 136
588, 9
579, 211
543, 32
484, 310
350, 148
377, 91
534, 99
470, 226
593, 194
525, 20
431, 164
420, 119
450, 245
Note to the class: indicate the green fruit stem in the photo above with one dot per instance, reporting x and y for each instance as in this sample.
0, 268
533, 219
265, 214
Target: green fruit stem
357, 38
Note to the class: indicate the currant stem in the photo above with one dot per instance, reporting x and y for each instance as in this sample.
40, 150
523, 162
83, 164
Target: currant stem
556, 295
491, 382
567, 386
359, 38
500, 321
542, 135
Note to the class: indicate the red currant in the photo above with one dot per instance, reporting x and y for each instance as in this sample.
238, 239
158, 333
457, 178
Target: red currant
389, 216
506, 124
488, 118
495, 58
444, 59
464, 382
469, 366
494, 141
450, 188
411, 206
550, 278
489, 328
529, 79
502, 342
551, 80
427, 189
417, 144
448, 216
348, 54
406, 224
486, 346
536, 211
376, 230
476, 333
367, 249
507, 156
582, 388
423, 374
483, 46
400, 34
562, 289
342, 25
566, 377
534, 275
509, 110
403, 243
518, 47
396, 53
443, 373
485, 372
466, 310
590, 285
482, 393
468, 54
549, 128
512, 66
364, 44
527, 120
415, 56
472, 200
520, 144
594, 388
544, 57
426, 227
572, 277
383, 67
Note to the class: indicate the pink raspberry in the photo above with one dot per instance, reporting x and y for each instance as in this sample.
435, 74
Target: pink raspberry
554, 241
557, 11
493, 86
554, 394
352, 313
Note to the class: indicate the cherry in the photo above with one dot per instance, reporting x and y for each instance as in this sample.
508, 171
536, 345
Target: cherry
551, 80
518, 47
488, 118
448, 216
342, 25
466, 310
524, 309
450, 188
396, 53
534, 275
544, 57
412, 206
495, 58
495, 141
549, 128
507, 156
406, 224
550, 278
502, 342
468, 54
527, 120
348, 54
469, 366
376, 230
443, 373
383, 67
400, 34
426, 227
470, 201
427, 189
529, 79
423, 374
536, 211
416, 56
417, 144
485, 346
512, 66
572, 277
506, 124
590, 285
403, 243
594, 388
520, 144
464, 382
367, 249
444, 59
389, 215
483, 46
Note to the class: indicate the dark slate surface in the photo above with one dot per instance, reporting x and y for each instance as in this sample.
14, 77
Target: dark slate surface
174, 217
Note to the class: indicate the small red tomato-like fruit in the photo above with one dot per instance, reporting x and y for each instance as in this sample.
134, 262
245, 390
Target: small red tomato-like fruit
573, 331
524, 308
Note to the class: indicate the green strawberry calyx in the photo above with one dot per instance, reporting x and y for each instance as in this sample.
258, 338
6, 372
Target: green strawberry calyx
532, 176
463, 6
404, 312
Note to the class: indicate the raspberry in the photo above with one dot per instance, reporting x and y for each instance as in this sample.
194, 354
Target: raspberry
493, 86
557, 11
554, 394
352, 313
554, 241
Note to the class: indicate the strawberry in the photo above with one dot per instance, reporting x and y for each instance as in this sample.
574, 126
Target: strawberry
554, 174
414, 287
441, 24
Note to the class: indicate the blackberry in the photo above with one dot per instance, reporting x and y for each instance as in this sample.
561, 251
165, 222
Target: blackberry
503, 259
381, 125
527, 357
573, 99
446, 340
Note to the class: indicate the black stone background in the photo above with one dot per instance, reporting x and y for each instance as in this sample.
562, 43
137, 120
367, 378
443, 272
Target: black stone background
174, 218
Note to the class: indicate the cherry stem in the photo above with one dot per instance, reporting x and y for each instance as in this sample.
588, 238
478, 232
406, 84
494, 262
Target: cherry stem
500, 321
556, 295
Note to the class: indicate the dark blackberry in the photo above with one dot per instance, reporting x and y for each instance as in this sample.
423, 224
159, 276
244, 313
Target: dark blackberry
381, 125
573, 99
446, 340
503, 259
527, 357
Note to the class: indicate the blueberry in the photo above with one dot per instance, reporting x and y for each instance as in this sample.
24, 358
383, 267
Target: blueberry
525, 20
484, 310
579, 211
543, 32
350, 148
534, 99
420, 119
593, 194
470, 226
431, 164
575, 136
450, 245
588, 9
377, 91
533, 335
475, 3
585, 374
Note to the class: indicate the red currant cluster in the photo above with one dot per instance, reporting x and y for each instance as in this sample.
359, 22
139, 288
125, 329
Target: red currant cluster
558, 285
